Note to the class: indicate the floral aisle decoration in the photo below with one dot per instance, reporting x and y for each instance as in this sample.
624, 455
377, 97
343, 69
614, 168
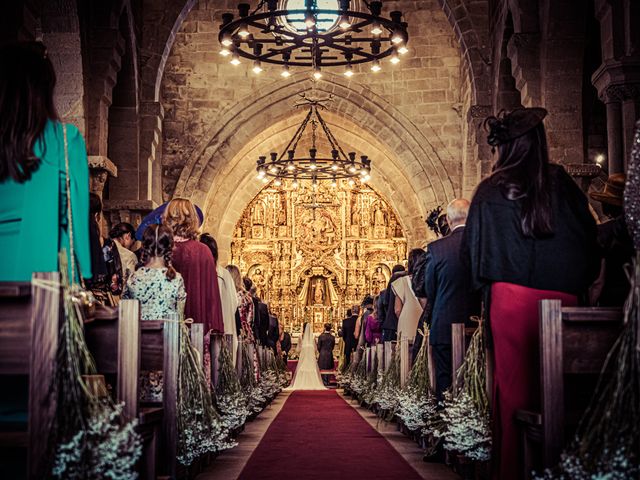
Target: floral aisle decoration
358, 377
91, 437
271, 380
248, 382
230, 399
200, 427
388, 391
607, 441
417, 404
465, 418
369, 391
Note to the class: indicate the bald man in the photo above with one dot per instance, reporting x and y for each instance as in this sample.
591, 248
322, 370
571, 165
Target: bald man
448, 289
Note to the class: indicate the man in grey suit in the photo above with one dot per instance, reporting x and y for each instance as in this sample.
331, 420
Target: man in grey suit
448, 289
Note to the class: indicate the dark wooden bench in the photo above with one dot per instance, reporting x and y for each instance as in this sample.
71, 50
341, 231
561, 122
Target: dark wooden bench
574, 343
29, 326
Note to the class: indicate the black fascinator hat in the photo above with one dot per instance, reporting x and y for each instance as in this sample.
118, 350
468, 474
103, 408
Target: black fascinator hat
508, 126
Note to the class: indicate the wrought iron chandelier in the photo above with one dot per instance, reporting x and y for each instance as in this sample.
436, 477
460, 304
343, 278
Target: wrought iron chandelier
313, 36
315, 166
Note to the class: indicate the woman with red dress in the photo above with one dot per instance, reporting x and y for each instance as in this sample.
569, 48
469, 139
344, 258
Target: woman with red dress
529, 236
194, 261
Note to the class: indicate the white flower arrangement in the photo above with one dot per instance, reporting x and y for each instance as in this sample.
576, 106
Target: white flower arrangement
464, 422
616, 465
105, 449
387, 393
416, 407
467, 429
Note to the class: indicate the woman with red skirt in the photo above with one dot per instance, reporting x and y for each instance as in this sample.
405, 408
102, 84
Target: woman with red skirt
529, 236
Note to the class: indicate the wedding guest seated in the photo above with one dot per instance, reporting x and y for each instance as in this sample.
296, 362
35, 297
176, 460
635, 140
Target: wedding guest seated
326, 343
34, 221
448, 289
124, 236
373, 328
160, 291
406, 305
612, 288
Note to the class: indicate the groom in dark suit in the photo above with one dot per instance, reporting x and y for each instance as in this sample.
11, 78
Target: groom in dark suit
448, 288
326, 343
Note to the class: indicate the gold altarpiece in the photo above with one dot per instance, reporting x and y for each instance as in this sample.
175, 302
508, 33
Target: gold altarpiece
315, 252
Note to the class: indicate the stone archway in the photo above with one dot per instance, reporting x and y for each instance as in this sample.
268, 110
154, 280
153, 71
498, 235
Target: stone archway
411, 159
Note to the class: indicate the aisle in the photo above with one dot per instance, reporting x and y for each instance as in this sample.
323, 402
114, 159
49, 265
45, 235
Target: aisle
318, 435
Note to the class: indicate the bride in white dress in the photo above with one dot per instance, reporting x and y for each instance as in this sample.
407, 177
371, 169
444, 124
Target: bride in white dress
307, 376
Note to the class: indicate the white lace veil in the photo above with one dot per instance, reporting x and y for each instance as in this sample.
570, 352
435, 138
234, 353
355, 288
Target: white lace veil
307, 337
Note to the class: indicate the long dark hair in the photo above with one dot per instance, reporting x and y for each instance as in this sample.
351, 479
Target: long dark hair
157, 241
522, 172
27, 80
414, 256
210, 242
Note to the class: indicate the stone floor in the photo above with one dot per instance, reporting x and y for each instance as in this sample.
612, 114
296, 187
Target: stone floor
229, 465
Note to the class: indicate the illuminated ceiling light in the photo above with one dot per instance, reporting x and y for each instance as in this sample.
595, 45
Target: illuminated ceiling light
397, 37
334, 182
285, 73
277, 182
265, 180
291, 167
243, 31
225, 52
235, 59
348, 72
334, 166
226, 40
351, 182
375, 67
295, 183
352, 168
600, 159
395, 59
344, 23
318, 34
256, 67
402, 50
317, 74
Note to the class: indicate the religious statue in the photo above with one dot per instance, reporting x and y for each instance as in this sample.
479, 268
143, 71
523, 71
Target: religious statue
259, 281
378, 216
318, 292
378, 280
258, 214
355, 216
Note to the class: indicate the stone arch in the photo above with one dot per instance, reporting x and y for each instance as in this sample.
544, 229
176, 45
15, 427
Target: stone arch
469, 21
415, 156
236, 179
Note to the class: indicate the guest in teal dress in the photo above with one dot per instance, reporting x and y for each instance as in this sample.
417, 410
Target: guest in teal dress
32, 170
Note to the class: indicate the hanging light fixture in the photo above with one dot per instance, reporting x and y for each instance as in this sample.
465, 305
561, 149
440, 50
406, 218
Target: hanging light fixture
309, 33
316, 166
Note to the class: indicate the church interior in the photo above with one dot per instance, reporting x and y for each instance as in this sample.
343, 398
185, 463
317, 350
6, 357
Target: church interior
321, 143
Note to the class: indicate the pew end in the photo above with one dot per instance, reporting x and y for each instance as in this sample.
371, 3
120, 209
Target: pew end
574, 343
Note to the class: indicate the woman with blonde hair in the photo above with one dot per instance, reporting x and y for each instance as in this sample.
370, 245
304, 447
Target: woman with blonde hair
245, 304
194, 261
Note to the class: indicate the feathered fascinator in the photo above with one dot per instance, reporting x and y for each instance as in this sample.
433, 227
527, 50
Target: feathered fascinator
506, 127
434, 223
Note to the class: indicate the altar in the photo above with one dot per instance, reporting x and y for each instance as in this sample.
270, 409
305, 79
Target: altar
313, 253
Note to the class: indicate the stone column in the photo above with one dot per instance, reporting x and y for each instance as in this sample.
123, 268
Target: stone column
615, 149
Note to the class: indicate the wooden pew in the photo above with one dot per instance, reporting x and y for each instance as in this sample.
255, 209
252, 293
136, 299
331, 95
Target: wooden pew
29, 325
460, 339
574, 343
115, 346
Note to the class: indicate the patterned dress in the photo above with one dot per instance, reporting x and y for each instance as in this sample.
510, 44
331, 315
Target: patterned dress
158, 296
245, 309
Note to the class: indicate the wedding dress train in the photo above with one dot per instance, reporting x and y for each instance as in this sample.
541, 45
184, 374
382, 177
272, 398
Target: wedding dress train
307, 375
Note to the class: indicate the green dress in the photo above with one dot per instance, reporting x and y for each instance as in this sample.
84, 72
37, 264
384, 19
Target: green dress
30, 212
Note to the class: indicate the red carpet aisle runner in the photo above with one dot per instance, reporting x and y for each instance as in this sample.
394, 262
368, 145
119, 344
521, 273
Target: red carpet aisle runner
317, 435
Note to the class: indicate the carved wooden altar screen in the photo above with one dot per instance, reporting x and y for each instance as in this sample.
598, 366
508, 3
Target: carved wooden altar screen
314, 253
